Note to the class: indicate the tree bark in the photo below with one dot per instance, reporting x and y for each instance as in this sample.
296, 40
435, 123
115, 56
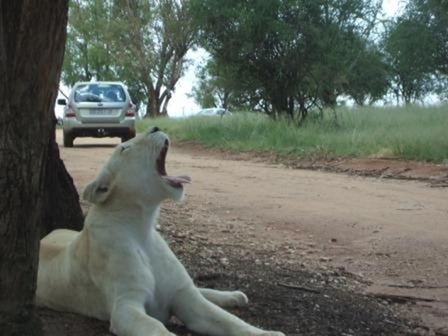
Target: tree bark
32, 39
61, 208
153, 107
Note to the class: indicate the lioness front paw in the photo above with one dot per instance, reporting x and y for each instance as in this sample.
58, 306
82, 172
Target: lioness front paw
239, 299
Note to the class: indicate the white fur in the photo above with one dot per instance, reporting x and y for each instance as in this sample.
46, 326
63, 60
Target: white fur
119, 268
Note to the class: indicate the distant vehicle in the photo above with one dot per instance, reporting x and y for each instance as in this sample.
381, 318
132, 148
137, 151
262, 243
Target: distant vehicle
98, 109
214, 111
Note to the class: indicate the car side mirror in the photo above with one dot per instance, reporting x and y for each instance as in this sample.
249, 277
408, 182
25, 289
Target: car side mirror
62, 102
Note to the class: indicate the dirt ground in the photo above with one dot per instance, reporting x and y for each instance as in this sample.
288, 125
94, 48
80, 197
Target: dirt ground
337, 248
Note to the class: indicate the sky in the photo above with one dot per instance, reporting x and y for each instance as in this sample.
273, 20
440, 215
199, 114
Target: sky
391, 7
182, 105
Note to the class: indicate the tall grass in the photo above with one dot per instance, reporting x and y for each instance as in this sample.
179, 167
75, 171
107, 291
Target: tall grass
411, 133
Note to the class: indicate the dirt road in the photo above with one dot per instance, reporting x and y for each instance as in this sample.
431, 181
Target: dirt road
392, 234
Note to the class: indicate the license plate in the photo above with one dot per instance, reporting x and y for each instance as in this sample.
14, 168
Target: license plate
97, 112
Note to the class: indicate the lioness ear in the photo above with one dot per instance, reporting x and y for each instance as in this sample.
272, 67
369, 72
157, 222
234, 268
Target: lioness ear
98, 190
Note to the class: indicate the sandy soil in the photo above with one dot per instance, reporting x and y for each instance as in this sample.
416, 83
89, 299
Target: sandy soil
380, 241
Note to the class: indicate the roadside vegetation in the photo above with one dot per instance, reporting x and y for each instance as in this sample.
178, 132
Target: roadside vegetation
410, 133
283, 58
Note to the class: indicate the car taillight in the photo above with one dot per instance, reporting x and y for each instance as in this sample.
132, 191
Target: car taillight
70, 114
130, 112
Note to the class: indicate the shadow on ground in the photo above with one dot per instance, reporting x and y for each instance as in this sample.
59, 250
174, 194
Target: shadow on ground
288, 298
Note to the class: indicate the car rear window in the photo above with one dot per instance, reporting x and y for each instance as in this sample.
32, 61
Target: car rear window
100, 93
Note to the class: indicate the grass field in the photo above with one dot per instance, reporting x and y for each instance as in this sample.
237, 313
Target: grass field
411, 133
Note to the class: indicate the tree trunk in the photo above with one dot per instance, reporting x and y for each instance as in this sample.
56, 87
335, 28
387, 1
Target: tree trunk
164, 111
32, 39
61, 199
154, 102
153, 107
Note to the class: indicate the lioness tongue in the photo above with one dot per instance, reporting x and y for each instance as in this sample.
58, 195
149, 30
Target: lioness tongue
178, 180
182, 179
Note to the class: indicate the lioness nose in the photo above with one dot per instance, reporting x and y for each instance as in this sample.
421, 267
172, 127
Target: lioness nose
154, 129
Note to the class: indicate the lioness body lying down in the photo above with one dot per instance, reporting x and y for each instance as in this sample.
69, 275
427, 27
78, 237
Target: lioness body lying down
118, 267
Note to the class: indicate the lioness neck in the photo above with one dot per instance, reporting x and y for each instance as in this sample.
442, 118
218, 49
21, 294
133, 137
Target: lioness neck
137, 218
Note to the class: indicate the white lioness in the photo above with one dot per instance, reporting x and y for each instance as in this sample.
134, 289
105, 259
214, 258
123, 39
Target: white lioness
119, 268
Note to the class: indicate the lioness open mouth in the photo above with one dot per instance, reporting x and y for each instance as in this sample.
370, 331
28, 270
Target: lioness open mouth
175, 182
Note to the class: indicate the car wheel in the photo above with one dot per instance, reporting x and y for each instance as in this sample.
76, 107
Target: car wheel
127, 137
68, 139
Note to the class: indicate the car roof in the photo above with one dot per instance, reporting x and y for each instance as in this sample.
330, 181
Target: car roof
100, 82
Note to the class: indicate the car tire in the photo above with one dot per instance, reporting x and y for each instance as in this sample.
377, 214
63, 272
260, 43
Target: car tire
68, 139
127, 137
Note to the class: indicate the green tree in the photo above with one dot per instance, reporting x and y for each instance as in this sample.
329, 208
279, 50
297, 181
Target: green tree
222, 86
417, 47
209, 92
143, 43
288, 54
408, 44
89, 50
433, 14
368, 78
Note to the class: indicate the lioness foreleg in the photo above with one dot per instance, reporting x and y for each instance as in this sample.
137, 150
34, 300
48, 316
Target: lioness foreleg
129, 318
225, 298
204, 317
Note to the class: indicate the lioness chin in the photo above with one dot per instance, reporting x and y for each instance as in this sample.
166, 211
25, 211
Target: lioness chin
119, 268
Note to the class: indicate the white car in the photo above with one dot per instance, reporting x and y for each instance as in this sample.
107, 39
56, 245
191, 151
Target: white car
214, 111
